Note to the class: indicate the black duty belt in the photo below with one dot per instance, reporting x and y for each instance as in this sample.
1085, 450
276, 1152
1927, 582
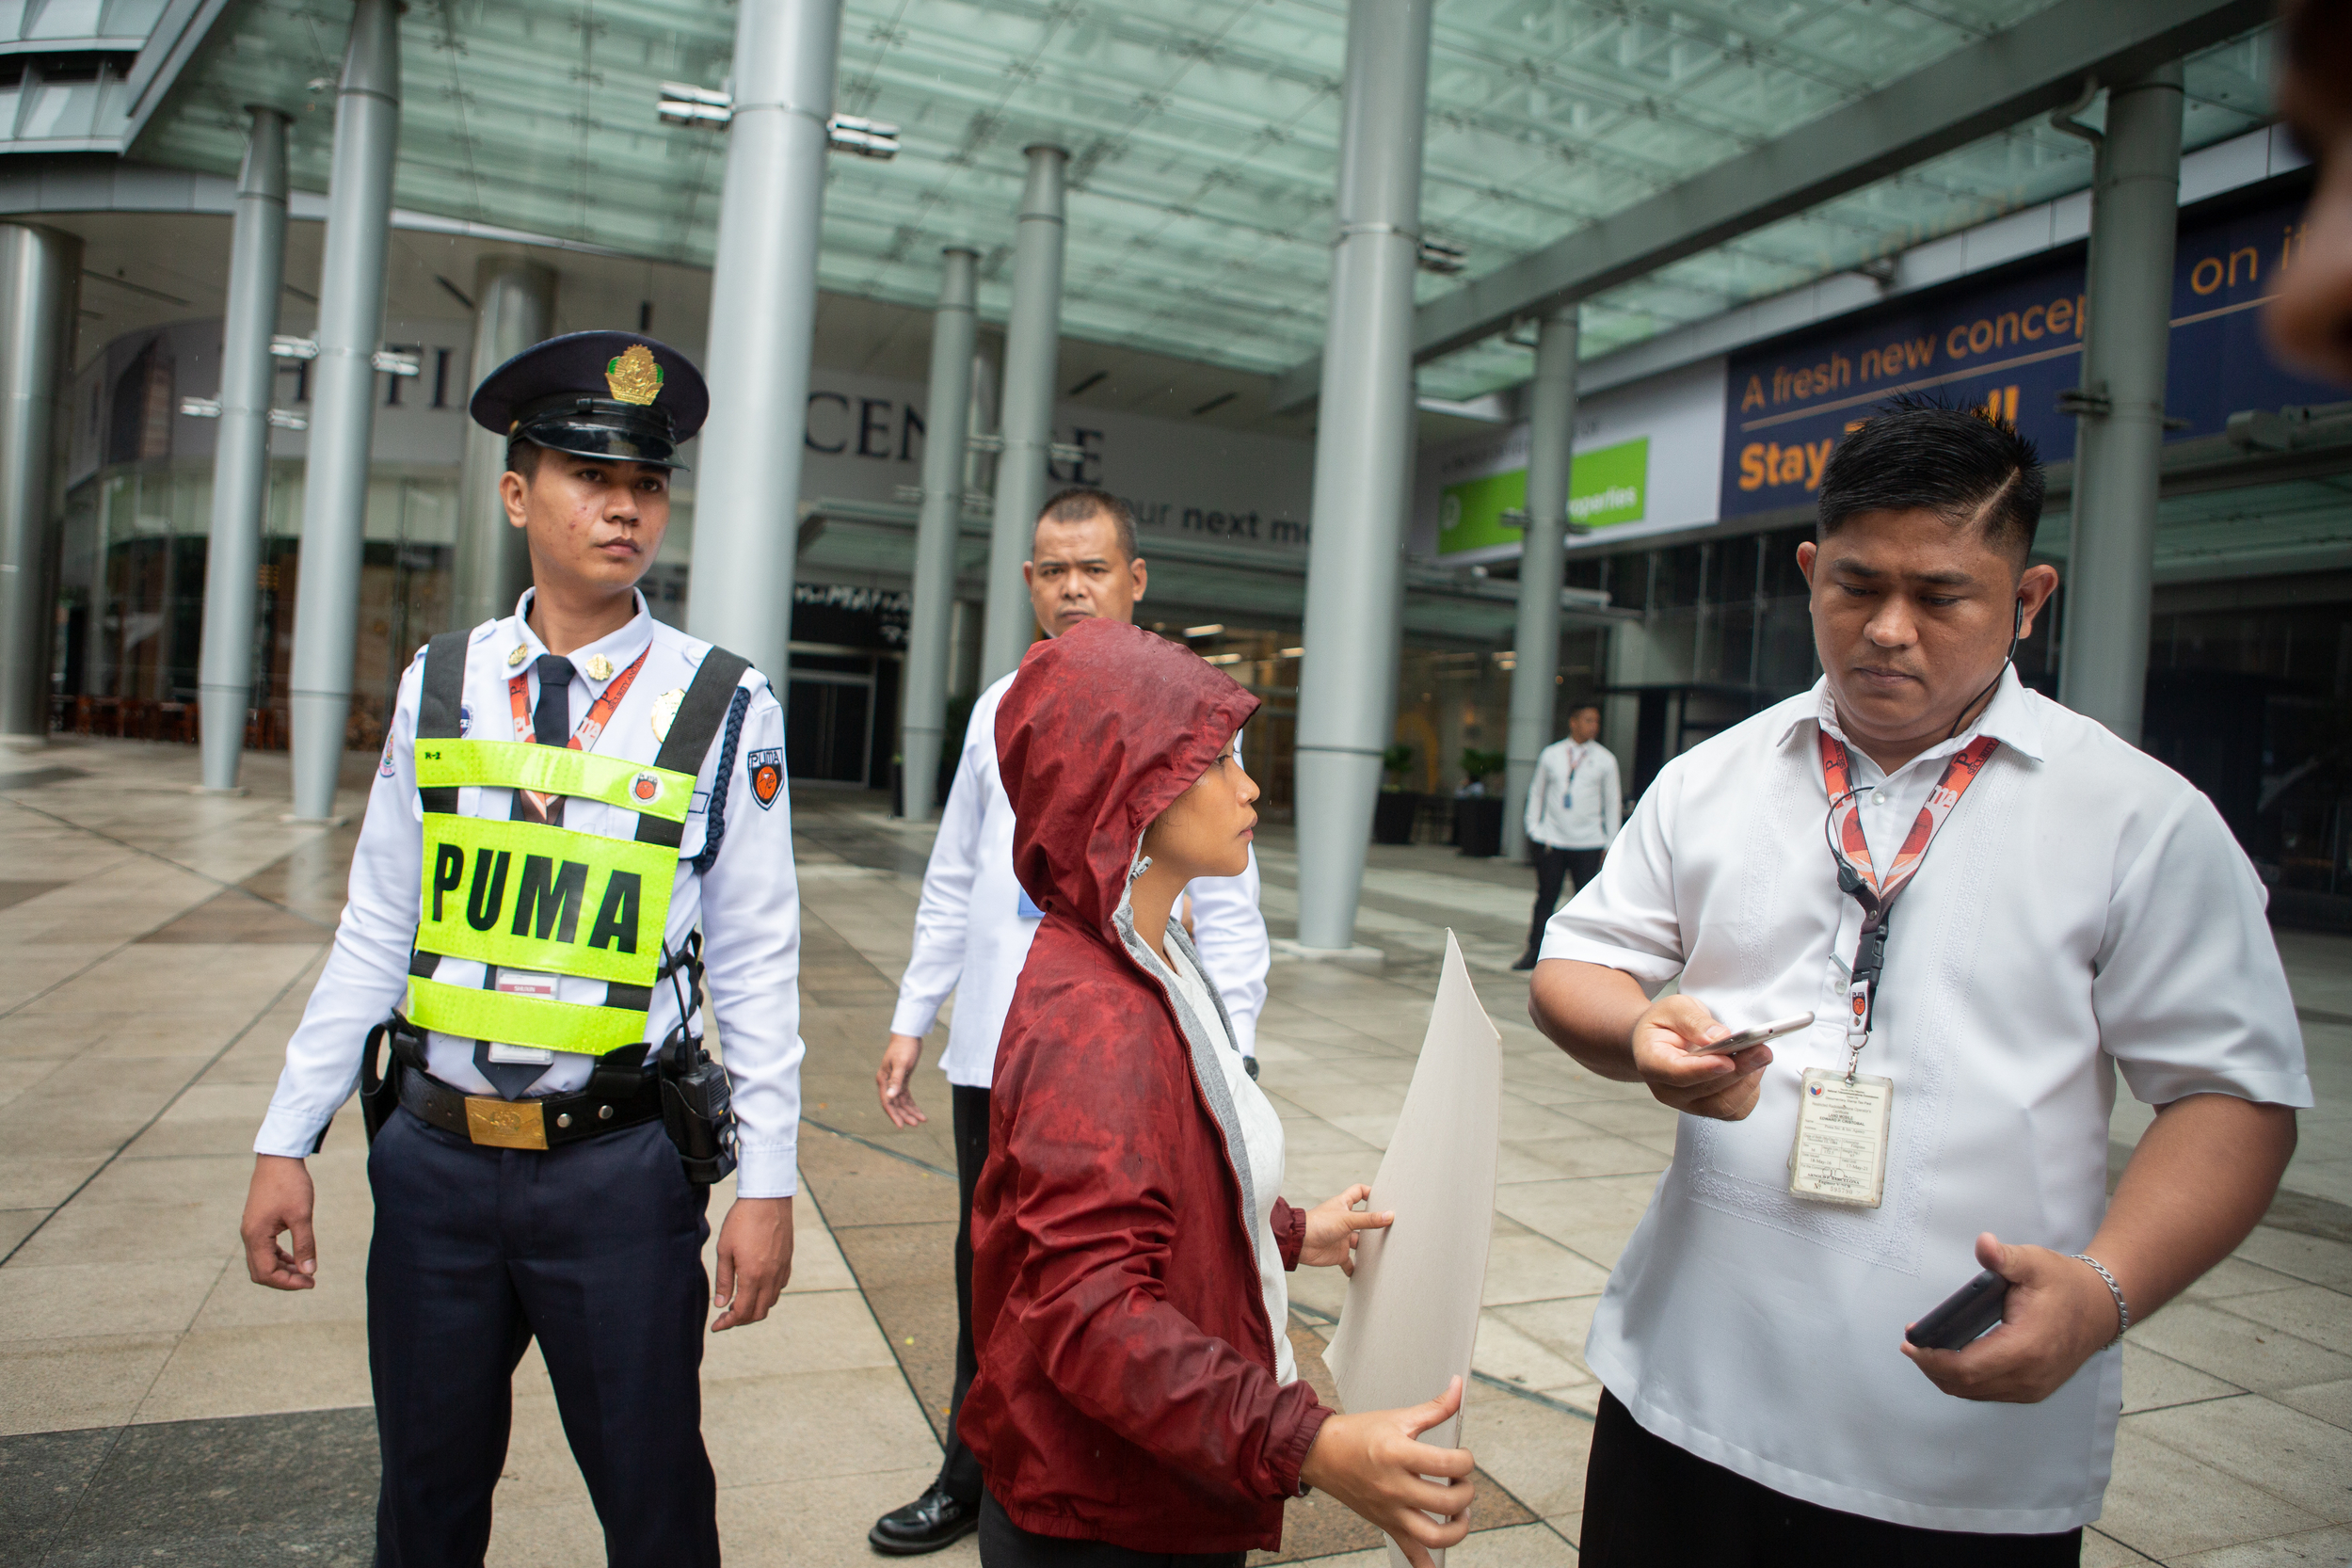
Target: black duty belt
525, 1124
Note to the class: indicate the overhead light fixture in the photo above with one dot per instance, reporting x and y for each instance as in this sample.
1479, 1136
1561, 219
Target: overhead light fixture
1209, 631
1441, 256
1223, 659
868, 138
284, 346
684, 104
1294, 653
209, 407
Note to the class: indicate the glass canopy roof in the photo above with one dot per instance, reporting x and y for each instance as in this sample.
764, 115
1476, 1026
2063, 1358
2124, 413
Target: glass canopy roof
1203, 140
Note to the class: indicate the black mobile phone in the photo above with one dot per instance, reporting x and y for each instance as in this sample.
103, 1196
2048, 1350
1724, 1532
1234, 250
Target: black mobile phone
1961, 1316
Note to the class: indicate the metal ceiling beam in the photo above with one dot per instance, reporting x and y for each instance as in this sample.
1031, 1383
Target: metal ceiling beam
1972, 93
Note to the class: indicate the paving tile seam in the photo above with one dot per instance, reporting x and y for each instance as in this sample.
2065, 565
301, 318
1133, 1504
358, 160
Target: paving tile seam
874, 1317
2093, 1529
880, 1148
328, 932
208, 1064
2243, 1479
2221, 1306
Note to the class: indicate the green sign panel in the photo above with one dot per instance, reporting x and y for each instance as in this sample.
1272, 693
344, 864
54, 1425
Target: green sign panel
1606, 486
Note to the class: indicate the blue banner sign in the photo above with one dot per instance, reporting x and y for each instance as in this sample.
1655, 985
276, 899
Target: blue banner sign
2012, 346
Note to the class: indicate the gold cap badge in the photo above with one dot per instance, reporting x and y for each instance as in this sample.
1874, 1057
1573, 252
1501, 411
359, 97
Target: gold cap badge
600, 668
516, 657
635, 376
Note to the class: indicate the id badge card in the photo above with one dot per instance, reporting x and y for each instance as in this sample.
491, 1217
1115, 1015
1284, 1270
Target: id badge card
538, 987
1840, 1153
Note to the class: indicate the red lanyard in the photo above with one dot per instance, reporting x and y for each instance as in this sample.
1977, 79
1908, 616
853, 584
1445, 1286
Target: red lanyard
584, 737
1857, 877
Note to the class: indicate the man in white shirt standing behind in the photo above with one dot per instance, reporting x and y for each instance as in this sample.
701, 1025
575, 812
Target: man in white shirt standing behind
2062, 906
972, 931
1573, 804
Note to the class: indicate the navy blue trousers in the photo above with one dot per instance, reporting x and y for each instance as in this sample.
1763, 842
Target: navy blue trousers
595, 1250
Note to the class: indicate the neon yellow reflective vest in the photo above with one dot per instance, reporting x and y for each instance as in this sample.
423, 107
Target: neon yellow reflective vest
524, 895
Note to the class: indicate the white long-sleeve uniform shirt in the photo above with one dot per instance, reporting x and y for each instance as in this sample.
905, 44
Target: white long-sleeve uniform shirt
974, 924
2082, 912
747, 904
1575, 799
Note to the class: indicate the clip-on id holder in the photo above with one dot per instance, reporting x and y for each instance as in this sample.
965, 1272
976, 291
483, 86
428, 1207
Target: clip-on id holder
1839, 1153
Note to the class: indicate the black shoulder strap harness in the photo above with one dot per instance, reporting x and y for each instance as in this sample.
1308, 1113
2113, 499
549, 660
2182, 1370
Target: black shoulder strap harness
715, 696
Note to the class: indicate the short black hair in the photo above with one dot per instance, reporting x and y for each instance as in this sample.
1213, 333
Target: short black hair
1587, 705
1917, 455
1081, 502
523, 457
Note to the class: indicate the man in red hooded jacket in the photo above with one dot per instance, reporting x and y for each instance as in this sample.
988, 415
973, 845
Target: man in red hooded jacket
1136, 1390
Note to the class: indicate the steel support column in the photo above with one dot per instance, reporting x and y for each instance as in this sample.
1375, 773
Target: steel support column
343, 399
1363, 464
514, 306
948, 410
41, 276
763, 311
2135, 208
1033, 343
256, 274
1534, 676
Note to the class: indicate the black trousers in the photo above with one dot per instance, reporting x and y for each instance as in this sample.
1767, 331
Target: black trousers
595, 1250
1006, 1544
1649, 1504
959, 1472
1552, 868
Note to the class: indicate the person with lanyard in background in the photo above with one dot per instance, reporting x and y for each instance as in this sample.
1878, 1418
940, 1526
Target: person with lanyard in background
972, 930
1574, 802
1969, 907
580, 816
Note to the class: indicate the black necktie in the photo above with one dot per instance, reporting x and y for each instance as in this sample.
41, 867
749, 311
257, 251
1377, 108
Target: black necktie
551, 721
551, 726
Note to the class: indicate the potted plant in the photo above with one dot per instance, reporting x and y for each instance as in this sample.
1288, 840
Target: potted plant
1478, 809
1393, 811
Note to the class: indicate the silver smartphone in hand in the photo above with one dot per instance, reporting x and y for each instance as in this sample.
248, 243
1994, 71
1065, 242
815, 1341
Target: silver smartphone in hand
1742, 1039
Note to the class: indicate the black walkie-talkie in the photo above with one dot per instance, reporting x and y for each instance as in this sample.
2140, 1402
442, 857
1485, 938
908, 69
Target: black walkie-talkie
698, 1107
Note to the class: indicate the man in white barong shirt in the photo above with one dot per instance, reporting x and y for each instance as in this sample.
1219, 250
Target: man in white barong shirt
2083, 909
972, 930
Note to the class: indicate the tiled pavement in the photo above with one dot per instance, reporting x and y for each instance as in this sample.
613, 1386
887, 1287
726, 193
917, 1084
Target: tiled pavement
155, 947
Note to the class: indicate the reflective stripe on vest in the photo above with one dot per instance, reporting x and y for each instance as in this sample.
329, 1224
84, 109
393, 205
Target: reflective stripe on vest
556, 771
478, 1015
523, 895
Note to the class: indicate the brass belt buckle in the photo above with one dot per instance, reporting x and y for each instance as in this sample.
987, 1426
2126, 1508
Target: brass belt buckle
506, 1123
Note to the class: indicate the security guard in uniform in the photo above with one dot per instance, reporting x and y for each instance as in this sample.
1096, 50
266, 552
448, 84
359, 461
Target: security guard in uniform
580, 819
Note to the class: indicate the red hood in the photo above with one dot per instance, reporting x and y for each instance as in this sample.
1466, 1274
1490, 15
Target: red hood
1102, 728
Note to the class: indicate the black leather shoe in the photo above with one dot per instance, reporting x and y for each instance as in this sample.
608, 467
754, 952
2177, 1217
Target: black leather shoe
929, 1523
1527, 960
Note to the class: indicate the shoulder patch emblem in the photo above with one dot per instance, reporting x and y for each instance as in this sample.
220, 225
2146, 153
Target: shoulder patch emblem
666, 711
384, 769
764, 770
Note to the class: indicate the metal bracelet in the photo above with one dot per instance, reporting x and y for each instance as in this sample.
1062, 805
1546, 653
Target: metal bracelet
2123, 1308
